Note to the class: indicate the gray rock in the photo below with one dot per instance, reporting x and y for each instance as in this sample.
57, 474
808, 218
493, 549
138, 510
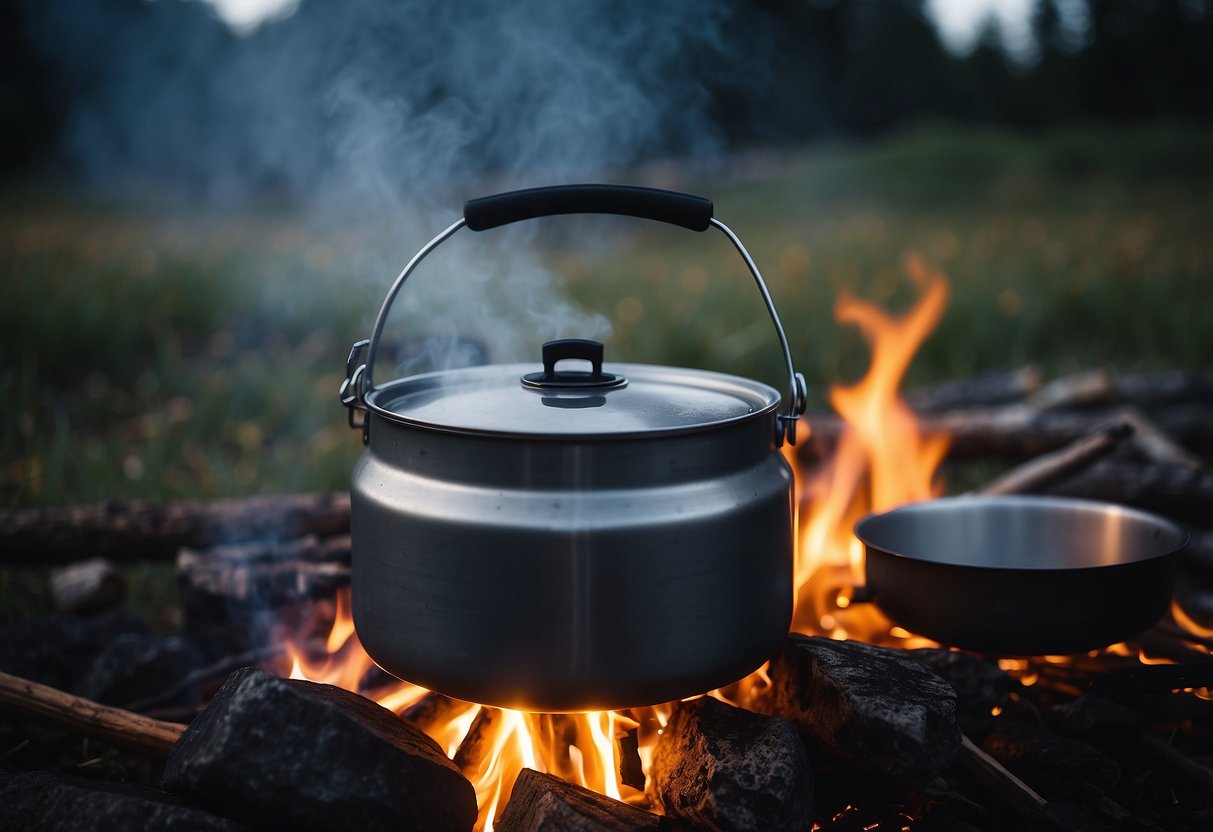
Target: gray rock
725, 768
39, 800
281, 752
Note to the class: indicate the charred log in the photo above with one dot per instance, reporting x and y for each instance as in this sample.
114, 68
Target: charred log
1022, 431
1172, 489
146, 530
543, 803
722, 768
991, 388
874, 708
286, 752
1054, 765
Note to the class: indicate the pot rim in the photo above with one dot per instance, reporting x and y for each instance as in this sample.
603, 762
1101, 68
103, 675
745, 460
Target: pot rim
765, 401
957, 505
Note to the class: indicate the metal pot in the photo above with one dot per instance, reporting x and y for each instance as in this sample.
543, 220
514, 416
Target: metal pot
554, 539
1021, 575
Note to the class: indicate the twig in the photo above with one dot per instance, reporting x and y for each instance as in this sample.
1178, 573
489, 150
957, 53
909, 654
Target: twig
990, 773
221, 668
76, 713
1176, 759
1057, 465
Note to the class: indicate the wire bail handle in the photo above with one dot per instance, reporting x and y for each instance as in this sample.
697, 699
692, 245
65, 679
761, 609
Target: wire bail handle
685, 210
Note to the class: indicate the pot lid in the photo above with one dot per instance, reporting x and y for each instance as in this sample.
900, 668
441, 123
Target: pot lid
608, 400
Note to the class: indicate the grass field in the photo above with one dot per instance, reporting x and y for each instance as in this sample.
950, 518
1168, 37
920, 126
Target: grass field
154, 354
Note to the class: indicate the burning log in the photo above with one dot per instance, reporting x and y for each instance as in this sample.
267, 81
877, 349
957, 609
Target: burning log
286, 752
41, 800
543, 803
113, 725
233, 596
874, 708
146, 530
721, 767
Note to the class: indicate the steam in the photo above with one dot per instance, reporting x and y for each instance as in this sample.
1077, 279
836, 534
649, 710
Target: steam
392, 110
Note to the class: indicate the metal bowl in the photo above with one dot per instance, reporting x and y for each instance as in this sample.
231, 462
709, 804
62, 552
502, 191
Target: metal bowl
1021, 575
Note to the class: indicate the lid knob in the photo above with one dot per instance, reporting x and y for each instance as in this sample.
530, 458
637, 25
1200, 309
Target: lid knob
582, 348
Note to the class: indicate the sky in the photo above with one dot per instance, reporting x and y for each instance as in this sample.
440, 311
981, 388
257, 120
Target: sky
960, 22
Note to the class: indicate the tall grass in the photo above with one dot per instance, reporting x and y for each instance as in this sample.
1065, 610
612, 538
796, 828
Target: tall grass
145, 355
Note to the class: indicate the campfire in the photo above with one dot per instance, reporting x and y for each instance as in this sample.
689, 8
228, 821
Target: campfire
856, 724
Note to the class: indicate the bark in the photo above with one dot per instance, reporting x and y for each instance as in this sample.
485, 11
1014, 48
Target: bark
543, 803
874, 708
723, 768
113, 725
148, 530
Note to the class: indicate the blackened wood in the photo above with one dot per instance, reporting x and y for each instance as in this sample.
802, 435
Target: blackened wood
293, 753
1061, 464
631, 770
147, 530
724, 768
1175, 759
133, 666
1132, 682
202, 683
1171, 489
1020, 430
1163, 387
41, 800
113, 725
433, 709
543, 803
478, 741
994, 776
990, 388
1094, 719
88, 587
874, 708
1054, 765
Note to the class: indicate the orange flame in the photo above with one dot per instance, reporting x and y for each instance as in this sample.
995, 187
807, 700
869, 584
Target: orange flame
881, 461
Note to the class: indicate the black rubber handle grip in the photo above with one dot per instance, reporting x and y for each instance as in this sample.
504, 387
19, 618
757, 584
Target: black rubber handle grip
686, 210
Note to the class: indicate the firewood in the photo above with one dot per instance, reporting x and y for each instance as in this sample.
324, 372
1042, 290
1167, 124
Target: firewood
873, 708
990, 388
1020, 430
631, 769
87, 587
543, 803
289, 753
1175, 490
722, 768
1172, 757
1061, 464
113, 725
41, 800
1163, 387
1080, 389
147, 530
1142, 679
1056, 765
992, 775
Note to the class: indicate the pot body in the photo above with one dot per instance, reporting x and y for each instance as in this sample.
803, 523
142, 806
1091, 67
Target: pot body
572, 573
1021, 575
